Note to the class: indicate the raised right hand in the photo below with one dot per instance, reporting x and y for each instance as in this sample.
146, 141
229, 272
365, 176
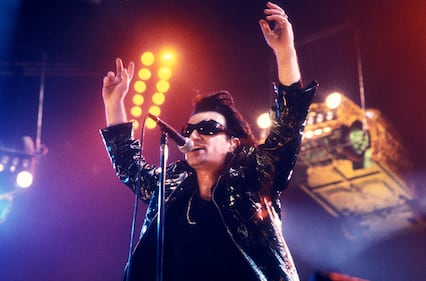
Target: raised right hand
114, 90
116, 85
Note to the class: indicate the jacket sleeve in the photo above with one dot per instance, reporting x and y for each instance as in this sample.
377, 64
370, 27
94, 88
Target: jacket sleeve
277, 156
125, 154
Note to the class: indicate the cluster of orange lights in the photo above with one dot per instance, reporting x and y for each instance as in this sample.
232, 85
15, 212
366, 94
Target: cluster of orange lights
152, 81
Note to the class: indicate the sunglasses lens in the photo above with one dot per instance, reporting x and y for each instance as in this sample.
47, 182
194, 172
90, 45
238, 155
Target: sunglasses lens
187, 130
206, 128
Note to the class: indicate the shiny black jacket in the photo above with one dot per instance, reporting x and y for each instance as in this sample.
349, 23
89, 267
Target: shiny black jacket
247, 194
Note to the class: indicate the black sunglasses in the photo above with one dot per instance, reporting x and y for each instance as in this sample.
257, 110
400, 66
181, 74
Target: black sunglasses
206, 127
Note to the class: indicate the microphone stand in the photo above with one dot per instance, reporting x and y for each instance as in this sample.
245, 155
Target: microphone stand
161, 200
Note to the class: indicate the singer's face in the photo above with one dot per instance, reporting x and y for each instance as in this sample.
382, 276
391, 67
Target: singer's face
209, 151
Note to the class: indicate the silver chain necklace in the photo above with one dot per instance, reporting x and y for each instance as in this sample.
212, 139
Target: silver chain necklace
188, 210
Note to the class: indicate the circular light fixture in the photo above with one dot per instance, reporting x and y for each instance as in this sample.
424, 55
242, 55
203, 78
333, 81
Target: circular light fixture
333, 100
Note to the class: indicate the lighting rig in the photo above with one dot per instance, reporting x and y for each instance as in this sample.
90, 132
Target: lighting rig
17, 165
16, 173
352, 165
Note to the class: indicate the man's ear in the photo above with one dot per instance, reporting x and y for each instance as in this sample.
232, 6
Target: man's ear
235, 142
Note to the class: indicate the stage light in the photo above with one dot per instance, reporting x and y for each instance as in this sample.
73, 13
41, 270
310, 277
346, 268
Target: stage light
310, 119
138, 99
320, 118
333, 100
147, 58
317, 132
150, 124
144, 73
163, 86
158, 98
154, 110
326, 130
329, 116
164, 73
136, 111
263, 121
308, 134
24, 179
168, 57
140, 86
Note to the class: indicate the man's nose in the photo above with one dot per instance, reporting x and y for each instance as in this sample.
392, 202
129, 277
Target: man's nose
195, 135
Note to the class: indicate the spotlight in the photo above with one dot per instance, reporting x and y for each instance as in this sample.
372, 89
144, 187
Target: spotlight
136, 111
17, 166
333, 100
263, 121
163, 86
164, 73
147, 58
138, 99
168, 57
308, 134
24, 179
158, 98
320, 117
150, 124
144, 73
140, 86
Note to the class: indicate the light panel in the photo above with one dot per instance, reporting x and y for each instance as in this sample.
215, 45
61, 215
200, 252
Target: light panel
152, 87
147, 58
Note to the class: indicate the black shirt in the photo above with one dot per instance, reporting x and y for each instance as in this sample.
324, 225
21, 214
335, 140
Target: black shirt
198, 246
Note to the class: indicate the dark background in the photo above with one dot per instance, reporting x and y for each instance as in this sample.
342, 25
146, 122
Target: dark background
74, 223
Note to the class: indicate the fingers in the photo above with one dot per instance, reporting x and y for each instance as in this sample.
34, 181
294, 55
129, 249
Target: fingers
124, 73
130, 70
121, 73
264, 26
119, 67
275, 13
274, 9
117, 84
277, 18
109, 78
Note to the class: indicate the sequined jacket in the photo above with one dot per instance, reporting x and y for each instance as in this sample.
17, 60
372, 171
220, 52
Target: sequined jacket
247, 194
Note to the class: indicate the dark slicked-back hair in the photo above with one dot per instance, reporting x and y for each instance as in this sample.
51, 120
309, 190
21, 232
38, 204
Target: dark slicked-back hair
223, 103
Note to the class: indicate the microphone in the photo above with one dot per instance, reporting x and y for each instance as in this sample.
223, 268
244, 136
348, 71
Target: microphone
184, 144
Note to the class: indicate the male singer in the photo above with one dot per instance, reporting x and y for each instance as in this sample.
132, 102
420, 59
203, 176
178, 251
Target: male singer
222, 212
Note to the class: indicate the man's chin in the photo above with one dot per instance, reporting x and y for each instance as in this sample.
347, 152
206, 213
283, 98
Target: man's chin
193, 162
